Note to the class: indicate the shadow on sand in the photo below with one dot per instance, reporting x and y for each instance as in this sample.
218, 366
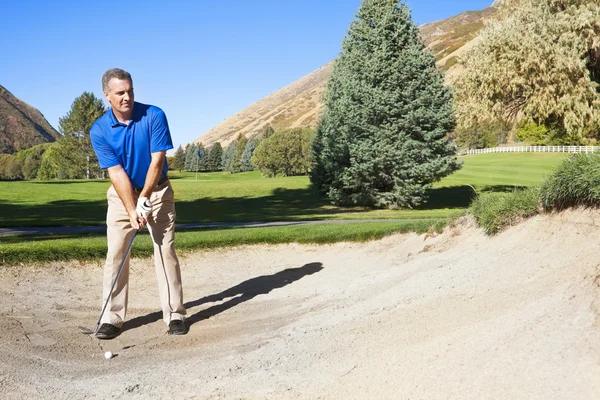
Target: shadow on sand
240, 293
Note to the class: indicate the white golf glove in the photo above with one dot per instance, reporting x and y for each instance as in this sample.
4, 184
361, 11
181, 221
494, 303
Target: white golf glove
144, 207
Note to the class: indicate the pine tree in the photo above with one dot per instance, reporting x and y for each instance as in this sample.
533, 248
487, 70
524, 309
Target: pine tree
191, 158
202, 157
246, 160
229, 157
382, 140
178, 159
214, 157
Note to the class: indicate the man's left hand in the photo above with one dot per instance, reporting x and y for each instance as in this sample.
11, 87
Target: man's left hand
144, 208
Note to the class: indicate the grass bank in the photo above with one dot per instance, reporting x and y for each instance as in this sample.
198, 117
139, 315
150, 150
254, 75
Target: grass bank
48, 248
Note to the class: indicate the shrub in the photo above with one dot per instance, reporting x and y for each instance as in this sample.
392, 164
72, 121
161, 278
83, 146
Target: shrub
576, 182
286, 153
494, 211
483, 134
544, 135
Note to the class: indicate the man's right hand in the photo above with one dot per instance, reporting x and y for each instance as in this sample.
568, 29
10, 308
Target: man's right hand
136, 223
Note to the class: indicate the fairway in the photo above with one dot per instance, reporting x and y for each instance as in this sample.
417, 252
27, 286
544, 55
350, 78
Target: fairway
486, 171
247, 197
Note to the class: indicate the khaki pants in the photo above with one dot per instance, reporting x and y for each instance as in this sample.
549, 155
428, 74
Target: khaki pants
161, 224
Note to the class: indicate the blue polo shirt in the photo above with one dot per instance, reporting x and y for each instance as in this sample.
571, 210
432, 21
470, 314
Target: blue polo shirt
131, 145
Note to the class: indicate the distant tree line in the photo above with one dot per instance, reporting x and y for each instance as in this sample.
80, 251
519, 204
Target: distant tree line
273, 153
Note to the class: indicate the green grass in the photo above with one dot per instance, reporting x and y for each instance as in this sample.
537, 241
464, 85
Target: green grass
494, 211
246, 197
576, 182
48, 248
504, 171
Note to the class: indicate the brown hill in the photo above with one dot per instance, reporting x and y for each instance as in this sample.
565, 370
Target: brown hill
300, 103
21, 125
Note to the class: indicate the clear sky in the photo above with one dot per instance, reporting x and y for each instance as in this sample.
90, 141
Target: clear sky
200, 61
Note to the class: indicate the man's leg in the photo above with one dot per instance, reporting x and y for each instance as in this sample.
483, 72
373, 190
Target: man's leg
162, 227
119, 234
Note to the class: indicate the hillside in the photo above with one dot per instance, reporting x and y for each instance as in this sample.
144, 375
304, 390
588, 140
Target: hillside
21, 125
300, 103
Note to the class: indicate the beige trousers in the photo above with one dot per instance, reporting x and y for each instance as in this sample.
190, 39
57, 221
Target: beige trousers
161, 224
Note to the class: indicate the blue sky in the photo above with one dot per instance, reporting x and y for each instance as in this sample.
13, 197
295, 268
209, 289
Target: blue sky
200, 61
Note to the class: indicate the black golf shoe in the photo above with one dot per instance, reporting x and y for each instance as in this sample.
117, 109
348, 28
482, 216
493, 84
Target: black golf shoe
108, 331
177, 327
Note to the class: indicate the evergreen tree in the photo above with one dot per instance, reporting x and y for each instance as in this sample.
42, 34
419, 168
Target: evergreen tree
178, 159
228, 157
382, 140
246, 160
85, 110
191, 158
214, 157
266, 132
203, 157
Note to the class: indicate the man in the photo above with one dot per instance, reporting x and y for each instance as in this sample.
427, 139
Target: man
131, 140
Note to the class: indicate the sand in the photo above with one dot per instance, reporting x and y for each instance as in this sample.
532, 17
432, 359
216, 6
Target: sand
458, 315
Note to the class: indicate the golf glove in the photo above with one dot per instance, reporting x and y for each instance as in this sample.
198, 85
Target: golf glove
144, 207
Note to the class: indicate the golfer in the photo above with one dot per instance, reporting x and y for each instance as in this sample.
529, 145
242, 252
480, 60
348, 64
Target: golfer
131, 140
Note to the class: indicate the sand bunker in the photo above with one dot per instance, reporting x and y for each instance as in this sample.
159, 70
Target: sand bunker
452, 316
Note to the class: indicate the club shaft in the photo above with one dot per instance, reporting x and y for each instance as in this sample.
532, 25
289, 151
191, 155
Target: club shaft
116, 279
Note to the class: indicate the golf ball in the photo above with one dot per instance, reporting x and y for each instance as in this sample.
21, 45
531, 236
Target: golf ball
108, 355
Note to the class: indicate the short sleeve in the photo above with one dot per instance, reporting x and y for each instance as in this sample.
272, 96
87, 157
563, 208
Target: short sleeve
160, 135
105, 153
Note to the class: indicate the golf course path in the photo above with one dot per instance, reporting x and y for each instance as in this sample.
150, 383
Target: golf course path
457, 315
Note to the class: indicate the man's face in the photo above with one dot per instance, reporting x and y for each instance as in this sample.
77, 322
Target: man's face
120, 96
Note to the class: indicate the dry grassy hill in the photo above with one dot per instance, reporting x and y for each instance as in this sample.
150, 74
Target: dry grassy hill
300, 103
21, 125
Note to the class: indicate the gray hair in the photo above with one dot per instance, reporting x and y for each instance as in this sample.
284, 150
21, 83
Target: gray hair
114, 73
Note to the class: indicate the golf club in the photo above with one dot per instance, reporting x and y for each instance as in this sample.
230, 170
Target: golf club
87, 331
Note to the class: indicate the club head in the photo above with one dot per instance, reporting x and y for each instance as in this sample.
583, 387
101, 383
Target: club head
86, 331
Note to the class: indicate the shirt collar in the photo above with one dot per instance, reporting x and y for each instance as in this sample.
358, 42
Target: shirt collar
113, 120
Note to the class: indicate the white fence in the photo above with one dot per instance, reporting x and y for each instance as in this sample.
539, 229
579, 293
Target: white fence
533, 149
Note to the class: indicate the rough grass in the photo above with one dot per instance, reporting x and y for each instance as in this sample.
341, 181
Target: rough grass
494, 211
576, 182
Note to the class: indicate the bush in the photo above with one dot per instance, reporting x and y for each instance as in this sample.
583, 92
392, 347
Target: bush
10, 169
494, 211
576, 182
544, 135
483, 135
286, 153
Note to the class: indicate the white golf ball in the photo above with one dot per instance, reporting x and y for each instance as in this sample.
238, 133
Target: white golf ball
108, 355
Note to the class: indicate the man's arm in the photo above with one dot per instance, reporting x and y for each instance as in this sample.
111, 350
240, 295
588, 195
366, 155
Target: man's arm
122, 185
154, 171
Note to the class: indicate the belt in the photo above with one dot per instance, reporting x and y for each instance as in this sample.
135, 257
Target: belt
162, 180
